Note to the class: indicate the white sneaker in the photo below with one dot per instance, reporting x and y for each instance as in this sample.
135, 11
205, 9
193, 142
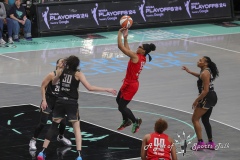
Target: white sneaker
65, 141
2, 41
33, 154
32, 145
10, 40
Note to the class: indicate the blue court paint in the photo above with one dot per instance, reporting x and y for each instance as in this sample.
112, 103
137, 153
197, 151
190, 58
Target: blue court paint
116, 65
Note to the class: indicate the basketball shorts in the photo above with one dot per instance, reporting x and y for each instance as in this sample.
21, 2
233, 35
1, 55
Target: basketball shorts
51, 104
128, 90
66, 107
210, 100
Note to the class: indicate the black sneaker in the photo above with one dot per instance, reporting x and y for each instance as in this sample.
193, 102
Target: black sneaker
136, 125
124, 124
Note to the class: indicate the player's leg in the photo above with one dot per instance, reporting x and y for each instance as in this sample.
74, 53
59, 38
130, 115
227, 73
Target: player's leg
58, 115
74, 117
197, 114
42, 123
61, 137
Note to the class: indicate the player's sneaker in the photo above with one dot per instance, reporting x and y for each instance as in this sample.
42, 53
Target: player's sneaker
210, 145
124, 124
136, 125
64, 140
32, 145
79, 158
41, 156
33, 154
198, 146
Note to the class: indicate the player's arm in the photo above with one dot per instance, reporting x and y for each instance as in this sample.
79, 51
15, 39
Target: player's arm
80, 76
125, 49
58, 74
190, 72
144, 147
125, 35
44, 84
173, 149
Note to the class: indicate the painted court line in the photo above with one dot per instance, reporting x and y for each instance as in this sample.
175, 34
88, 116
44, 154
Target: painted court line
10, 57
210, 45
133, 100
198, 31
135, 41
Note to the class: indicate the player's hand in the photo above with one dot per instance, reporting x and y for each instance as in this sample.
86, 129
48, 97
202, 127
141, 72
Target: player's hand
125, 33
44, 105
59, 72
186, 69
195, 104
113, 91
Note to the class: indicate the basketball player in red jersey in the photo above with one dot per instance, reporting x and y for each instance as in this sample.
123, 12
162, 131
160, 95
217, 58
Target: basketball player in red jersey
130, 82
157, 145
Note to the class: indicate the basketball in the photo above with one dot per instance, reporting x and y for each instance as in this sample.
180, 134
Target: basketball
126, 22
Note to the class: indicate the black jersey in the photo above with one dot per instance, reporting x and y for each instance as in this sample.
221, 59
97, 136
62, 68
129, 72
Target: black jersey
200, 83
68, 85
52, 90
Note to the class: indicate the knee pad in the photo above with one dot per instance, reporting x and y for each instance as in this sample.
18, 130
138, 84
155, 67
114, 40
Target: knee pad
52, 130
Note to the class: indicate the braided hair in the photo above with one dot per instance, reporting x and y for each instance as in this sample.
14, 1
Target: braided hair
213, 67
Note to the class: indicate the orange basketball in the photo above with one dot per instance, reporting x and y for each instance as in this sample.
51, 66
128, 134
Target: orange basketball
126, 21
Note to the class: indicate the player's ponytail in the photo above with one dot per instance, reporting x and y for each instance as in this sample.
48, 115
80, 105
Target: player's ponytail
213, 67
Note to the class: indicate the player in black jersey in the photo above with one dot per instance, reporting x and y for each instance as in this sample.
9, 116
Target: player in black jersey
205, 101
49, 94
67, 102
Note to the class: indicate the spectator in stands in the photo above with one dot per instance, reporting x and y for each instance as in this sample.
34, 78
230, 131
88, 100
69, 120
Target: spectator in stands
7, 6
5, 21
11, 2
18, 14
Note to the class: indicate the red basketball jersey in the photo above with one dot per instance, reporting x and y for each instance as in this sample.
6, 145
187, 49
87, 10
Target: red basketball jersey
134, 69
159, 147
